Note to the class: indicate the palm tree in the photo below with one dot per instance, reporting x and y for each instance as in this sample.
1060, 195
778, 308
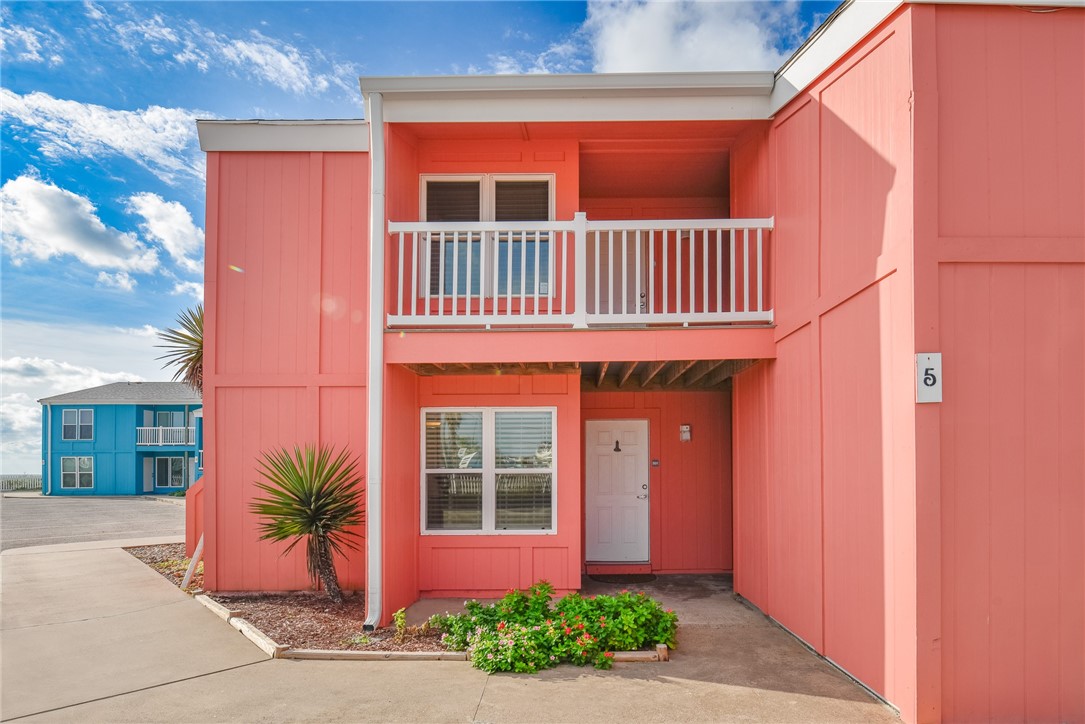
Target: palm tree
315, 497
185, 346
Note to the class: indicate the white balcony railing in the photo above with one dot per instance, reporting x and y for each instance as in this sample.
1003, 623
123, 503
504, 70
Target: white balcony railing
165, 436
580, 273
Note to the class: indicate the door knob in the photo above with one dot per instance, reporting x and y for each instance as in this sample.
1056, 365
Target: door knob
642, 497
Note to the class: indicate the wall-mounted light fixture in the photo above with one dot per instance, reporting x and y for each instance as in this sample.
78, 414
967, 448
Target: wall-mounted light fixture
685, 433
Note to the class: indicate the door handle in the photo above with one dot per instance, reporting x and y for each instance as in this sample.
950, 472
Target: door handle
643, 497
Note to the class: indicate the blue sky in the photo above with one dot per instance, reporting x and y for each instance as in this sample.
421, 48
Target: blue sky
102, 178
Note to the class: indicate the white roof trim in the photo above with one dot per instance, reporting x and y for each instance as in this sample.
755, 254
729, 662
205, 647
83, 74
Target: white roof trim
644, 85
829, 43
261, 135
131, 401
597, 97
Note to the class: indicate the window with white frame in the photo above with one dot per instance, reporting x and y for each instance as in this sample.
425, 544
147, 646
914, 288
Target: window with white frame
77, 425
77, 472
488, 470
169, 472
170, 418
457, 260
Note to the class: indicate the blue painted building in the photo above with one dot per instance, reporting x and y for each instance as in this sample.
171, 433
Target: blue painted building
126, 438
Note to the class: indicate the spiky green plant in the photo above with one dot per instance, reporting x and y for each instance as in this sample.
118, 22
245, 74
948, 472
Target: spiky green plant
185, 345
314, 496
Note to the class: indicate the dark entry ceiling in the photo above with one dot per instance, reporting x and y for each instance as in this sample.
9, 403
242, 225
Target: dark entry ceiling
671, 375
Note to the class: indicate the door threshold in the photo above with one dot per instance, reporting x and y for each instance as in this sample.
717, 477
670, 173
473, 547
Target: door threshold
596, 568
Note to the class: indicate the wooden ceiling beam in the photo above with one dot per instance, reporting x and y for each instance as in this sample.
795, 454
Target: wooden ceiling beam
627, 370
677, 371
701, 369
721, 373
602, 373
652, 371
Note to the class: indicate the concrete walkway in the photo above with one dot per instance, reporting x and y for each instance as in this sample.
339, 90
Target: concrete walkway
89, 633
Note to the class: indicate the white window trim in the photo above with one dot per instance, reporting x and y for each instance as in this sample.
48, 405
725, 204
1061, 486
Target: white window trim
78, 415
489, 189
76, 458
487, 211
184, 475
488, 471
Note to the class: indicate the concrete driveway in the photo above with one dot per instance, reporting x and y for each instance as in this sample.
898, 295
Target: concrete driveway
91, 634
31, 519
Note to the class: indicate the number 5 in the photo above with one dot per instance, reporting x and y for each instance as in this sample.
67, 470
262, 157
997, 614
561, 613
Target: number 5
928, 377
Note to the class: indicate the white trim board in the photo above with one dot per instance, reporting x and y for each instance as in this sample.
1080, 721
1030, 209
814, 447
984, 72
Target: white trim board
260, 135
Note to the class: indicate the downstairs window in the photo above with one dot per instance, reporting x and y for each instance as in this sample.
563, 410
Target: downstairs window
488, 470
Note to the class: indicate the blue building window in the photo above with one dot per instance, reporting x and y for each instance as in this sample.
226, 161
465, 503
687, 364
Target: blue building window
77, 425
170, 472
77, 472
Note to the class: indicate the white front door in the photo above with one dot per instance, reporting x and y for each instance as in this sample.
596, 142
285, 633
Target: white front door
616, 491
148, 475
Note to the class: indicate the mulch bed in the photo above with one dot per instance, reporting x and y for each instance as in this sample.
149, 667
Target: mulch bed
170, 561
297, 620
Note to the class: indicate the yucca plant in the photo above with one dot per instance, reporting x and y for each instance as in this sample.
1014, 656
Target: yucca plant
185, 345
314, 496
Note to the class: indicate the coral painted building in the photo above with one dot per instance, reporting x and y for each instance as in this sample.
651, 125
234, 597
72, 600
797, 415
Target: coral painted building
824, 328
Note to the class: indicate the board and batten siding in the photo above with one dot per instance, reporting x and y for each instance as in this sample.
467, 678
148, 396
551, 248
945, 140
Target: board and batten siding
286, 313
824, 471
1000, 291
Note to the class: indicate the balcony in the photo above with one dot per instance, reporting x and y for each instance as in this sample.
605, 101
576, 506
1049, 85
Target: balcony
162, 436
579, 274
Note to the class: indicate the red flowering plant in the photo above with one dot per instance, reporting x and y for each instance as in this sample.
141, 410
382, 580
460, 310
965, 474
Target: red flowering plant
522, 633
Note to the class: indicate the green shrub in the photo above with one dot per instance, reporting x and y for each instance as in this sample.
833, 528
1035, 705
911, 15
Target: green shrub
522, 633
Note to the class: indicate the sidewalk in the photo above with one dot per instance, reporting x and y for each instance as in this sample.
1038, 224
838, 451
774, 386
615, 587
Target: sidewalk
89, 633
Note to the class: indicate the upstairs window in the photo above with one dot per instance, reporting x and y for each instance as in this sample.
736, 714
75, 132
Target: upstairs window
174, 418
488, 263
77, 425
488, 471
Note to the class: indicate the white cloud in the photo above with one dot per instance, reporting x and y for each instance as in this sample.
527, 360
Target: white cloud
25, 381
170, 224
120, 280
44, 359
146, 330
639, 36
254, 55
94, 12
162, 140
26, 44
193, 289
279, 64
567, 56
42, 221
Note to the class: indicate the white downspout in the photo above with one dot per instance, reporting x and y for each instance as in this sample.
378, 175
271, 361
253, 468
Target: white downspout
49, 448
374, 113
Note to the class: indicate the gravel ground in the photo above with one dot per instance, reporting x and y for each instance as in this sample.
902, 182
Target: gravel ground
298, 620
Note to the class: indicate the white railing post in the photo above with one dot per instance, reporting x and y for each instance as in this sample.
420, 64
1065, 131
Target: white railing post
580, 271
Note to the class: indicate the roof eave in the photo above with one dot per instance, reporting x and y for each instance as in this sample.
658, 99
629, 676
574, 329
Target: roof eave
348, 135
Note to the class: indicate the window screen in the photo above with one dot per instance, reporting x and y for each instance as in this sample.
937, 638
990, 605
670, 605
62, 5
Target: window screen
77, 425
524, 453
453, 464
454, 201
77, 472
503, 456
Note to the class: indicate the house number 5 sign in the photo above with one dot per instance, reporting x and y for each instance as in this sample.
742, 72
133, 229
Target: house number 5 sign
928, 377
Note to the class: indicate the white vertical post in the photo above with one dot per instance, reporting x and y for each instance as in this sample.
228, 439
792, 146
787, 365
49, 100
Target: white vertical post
732, 309
746, 270
374, 448
580, 269
414, 274
760, 275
